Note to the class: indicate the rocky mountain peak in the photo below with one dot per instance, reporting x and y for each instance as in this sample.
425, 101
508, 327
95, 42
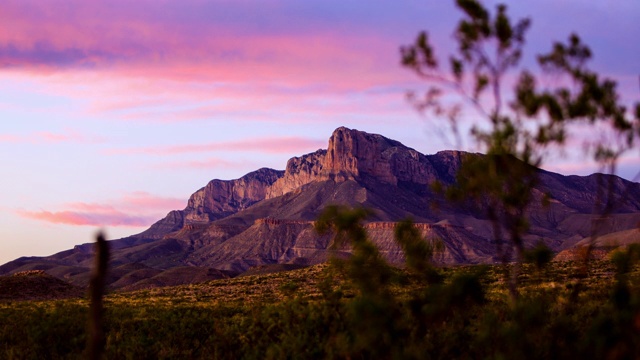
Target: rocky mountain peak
352, 154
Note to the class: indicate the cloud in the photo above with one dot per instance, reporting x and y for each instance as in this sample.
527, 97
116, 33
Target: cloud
168, 61
66, 137
208, 164
136, 209
48, 137
137, 201
273, 105
9, 138
146, 201
161, 42
100, 218
272, 145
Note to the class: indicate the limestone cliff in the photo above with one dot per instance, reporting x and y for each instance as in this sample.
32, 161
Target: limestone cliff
221, 198
352, 154
300, 171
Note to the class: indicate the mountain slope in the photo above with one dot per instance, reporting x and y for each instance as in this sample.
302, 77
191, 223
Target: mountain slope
36, 285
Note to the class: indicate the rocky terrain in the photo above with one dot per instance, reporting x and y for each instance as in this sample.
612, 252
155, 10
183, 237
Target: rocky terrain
265, 218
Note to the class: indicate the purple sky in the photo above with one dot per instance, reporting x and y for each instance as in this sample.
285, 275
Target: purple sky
114, 112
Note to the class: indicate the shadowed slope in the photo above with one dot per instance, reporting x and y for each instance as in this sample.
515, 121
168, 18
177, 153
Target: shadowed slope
36, 285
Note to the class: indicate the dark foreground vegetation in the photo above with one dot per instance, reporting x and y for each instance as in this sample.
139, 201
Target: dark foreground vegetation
316, 313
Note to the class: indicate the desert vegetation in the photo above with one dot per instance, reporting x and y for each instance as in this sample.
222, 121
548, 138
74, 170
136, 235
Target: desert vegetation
337, 311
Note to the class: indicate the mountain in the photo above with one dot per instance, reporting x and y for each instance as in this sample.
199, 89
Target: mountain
265, 218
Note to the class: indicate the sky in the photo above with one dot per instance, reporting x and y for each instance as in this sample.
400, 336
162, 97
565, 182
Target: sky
112, 113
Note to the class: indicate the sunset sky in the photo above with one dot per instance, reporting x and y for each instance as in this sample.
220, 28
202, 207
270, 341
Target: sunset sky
114, 112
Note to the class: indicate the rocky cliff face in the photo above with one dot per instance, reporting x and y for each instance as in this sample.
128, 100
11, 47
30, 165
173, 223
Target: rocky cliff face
352, 154
222, 198
300, 171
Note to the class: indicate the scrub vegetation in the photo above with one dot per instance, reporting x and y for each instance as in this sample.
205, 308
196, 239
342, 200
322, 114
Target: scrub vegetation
355, 308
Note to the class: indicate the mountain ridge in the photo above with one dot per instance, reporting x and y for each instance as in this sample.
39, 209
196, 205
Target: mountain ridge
266, 216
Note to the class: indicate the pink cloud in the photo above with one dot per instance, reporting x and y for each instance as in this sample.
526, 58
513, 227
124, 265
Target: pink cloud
152, 61
47, 137
176, 61
279, 107
9, 139
170, 92
206, 100
55, 138
47, 39
276, 145
66, 137
145, 201
212, 163
150, 42
132, 210
572, 168
185, 101
103, 218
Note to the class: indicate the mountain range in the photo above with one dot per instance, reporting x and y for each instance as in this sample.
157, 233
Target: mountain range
264, 221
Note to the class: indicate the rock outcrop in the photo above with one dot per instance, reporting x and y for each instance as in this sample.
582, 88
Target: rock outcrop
222, 198
300, 171
352, 154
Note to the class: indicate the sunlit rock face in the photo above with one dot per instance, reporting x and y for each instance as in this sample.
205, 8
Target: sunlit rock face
352, 154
